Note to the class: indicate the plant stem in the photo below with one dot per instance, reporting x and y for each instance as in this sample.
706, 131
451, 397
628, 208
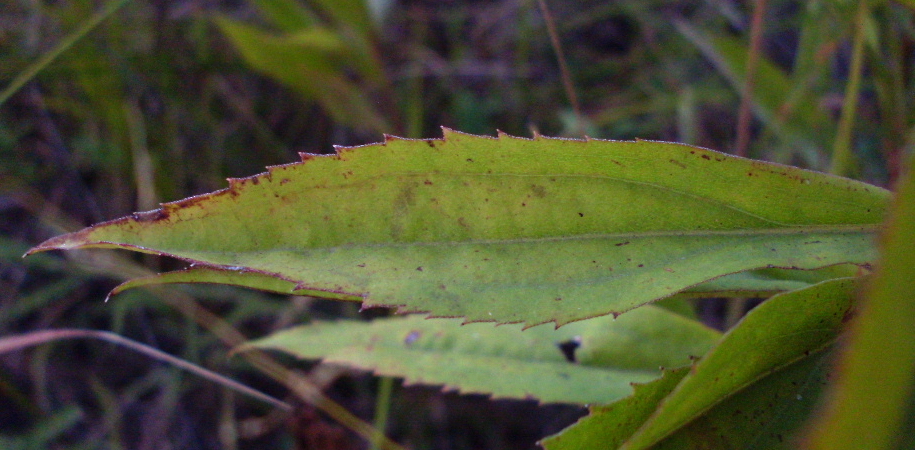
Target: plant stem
18, 342
743, 114
842, 159
563, 66
382, 407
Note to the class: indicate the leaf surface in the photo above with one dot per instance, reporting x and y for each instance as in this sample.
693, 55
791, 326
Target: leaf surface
872, 401
509, 229
608, 426
787, 328
755, 389
766, 415
609, 354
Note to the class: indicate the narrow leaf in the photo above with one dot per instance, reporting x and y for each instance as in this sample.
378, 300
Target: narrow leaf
468, 226
311, 62
787, 328
764, 416
593, 361
609, 426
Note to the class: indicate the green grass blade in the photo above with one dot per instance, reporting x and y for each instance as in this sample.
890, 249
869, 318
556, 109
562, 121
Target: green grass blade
32, 70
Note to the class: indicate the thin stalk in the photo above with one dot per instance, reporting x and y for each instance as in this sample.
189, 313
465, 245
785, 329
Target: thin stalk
746, 100
32, 70
382, 408
563, 66
842, 158
18, 342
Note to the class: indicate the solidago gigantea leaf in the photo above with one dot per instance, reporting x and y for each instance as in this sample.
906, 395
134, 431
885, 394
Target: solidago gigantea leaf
786, 329
753, 391
508, 229
608, 426
766, 415
607, 354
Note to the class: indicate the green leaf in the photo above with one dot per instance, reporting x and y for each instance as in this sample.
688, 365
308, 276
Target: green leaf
764, 416
766, 282
505, 361
286, 15
352, 14
785, 105
311, 62
871, 402
788, 328
610, 425
469, 226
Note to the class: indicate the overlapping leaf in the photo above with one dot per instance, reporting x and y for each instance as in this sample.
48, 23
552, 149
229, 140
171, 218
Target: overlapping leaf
508, 229
753, 390
607, 354
872, 401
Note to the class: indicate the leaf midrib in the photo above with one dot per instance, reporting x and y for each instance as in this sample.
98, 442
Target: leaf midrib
747, 232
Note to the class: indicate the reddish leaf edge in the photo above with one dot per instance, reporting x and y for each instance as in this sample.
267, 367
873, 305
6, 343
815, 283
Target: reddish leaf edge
76, 240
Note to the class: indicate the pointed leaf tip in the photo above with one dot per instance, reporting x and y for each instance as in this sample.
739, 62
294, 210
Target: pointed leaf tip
575, 229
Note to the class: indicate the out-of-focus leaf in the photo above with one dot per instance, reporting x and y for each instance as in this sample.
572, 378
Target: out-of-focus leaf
287, 15
312, 62
353, 14
470, 226
794, 115
46, 431
789, 328
505, 361
870, 404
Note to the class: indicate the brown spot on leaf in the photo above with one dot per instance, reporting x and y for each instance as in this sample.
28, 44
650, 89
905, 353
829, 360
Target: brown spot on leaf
539, 191
620, 244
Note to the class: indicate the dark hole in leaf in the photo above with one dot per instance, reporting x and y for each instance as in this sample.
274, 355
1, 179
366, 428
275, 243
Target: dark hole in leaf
568, 348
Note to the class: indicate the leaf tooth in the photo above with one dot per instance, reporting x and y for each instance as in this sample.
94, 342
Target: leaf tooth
305, 156
448, 133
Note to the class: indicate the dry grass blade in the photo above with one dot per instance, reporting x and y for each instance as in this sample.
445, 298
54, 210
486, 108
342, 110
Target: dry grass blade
19, 342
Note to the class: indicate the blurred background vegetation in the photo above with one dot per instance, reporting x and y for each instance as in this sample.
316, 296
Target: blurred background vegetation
165, 99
